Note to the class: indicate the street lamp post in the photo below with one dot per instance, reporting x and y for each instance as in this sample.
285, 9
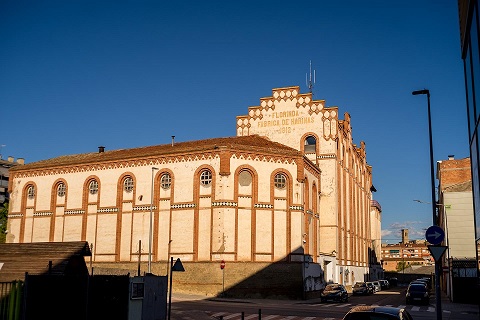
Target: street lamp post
434, 207
150, 231
432, 169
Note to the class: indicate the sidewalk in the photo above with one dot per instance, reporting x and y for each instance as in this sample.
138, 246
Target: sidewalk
463, 311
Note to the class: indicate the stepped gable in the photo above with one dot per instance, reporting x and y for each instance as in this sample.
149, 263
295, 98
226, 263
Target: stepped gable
18, 258
253, 143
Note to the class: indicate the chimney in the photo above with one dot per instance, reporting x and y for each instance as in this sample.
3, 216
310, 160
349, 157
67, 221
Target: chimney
21, 161
451, 157
10, 159
101, 149
173, 139
404, 236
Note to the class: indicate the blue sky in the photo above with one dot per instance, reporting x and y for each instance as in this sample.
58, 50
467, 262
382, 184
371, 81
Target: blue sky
75, 75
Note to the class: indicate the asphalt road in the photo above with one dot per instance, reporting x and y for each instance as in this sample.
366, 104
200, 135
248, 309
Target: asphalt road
185, 307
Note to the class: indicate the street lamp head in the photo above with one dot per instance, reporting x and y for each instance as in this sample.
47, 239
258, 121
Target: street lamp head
153, 168
424, 91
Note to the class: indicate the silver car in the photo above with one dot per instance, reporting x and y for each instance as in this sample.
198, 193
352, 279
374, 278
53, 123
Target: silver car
376, 312
377, 286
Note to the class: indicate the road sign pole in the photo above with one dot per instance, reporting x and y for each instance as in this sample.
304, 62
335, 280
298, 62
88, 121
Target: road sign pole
437, 253
438, 298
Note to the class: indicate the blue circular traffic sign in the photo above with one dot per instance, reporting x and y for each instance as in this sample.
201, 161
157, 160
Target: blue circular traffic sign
434, 235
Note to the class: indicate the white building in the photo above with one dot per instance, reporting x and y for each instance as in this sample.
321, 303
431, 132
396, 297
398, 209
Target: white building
286, 204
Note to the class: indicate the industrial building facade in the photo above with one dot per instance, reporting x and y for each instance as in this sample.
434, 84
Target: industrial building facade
468, 11
291, 190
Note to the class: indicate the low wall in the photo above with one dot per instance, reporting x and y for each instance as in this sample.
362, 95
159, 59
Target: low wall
237, 279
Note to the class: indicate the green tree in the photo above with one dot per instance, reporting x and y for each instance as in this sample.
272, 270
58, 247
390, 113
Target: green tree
3, 222
401, 265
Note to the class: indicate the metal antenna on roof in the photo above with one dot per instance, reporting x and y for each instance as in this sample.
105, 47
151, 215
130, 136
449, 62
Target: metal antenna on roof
308, 77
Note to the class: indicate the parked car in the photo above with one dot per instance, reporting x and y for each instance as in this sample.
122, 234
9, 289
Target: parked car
360, 288
334, 292
419, 282
371, 287
417, 292
377, 286
377, 313
384, 284
393, 281
428, 281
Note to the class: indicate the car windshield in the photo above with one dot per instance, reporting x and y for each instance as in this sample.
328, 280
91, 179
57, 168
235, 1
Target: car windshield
359, 284
332, 287
416, 287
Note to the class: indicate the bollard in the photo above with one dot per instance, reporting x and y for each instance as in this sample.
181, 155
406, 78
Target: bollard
259, 314
243, 315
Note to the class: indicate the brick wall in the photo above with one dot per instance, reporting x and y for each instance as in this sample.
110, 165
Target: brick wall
240, 279
452, 171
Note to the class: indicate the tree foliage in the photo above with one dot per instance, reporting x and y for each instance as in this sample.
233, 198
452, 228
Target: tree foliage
401, 265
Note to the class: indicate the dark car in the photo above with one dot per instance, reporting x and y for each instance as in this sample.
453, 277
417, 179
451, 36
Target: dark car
393, 281
384, 284
334, 292
377, 313
361, 288
419, 282
417, 292
428, 282
371, 287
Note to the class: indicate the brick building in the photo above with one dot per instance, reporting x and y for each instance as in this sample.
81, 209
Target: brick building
455, 214
406, 253
287, 203
5, 166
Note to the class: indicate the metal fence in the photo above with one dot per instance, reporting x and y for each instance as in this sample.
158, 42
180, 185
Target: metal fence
11, 300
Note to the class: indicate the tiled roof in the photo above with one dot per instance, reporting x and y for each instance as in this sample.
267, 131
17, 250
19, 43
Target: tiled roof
253, 143
34, 258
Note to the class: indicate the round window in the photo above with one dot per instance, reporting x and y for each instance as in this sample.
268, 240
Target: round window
280, 181
128, 184
166, 181
206, 178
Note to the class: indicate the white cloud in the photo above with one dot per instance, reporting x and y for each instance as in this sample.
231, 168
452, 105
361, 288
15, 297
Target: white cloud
393, 232
386, 233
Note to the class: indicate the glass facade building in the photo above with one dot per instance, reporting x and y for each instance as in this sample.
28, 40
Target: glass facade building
470, 46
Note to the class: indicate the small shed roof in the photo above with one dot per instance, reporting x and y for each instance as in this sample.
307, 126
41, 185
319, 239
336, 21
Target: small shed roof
18, 258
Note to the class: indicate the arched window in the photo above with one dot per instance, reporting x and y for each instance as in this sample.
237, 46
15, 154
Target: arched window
93, 187
128, 184
280, 181
205, 177
166, 181
310, 144
31, 192
61, 189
